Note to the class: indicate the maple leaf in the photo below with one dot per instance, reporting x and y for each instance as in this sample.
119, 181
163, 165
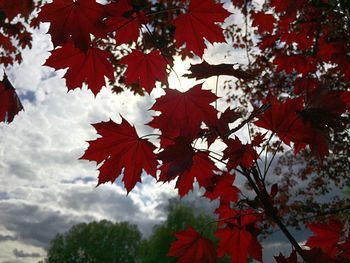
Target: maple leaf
121, 148
227, 117
345, 97
205, 70
125, 21
323, 112
183, 113
345, 248
17, 7
326, 50
199, 23
10, 104
220, 127
304, 84
236, 238
280, 6
145, 68
239, 154
324, 109
282, 118
326, 236
291, 259
180, 160
268, 41
190, 246
298, 63
258, 139
90, 67
303, 38
319, 256
73, 18
6, 43
222, 187
285, 119
264, 22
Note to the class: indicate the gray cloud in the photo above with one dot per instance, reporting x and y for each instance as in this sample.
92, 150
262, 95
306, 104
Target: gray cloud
34, 224
79, 180
28, 95
54, 209
7, 238
22, 254
4, 196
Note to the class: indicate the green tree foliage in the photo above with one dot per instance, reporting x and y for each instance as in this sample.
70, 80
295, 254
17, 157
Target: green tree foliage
180, 217
96, 242
107, 242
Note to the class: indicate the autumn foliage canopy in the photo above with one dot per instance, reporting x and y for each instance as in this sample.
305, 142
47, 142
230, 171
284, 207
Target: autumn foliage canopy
295, 88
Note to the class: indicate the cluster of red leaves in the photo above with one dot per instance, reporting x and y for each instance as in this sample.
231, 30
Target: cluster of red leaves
184, 118
303, 37
192, 247
75, 26
330, 243
14, 34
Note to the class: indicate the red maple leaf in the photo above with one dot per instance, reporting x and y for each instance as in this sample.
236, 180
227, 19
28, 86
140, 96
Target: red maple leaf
304, 84
287, 121
281, 6
10, 104
205, 70
183, 113
303, 38
258, 139
222, 187
145, 68
73, 18
90, 68
220, 127
326, 50
291, 259
180, 160
5, 43
264, 22
345, 248
345, 97
326, 236
125, 21
282, 119
121, 148
323, 112
227, 117
236, 237
324, 109
16, 7
199, 23
319, 256
291, 63
190, 246
239, 154
268, 41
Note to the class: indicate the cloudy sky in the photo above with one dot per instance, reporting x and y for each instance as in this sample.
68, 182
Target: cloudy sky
45, 189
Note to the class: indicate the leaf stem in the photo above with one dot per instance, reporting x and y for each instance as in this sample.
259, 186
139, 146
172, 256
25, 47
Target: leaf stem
270, 212
165, 11
216, 91
155, 135
225, 219
163, 54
